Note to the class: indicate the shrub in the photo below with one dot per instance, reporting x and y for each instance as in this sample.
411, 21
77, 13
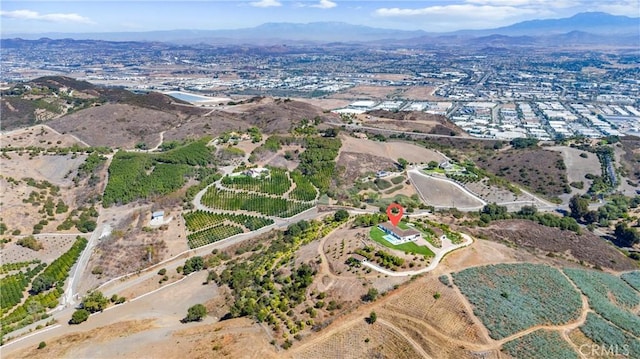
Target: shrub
372, 317
195, 313
371, 295
79, 316
42, 345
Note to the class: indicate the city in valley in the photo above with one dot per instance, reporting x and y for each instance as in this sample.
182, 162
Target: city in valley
320, 189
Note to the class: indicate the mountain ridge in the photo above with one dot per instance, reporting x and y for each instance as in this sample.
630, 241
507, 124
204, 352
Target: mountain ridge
597, 24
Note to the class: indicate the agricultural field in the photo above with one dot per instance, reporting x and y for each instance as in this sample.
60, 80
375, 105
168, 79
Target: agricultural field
610, 297
277, 182
199, 220
46, 284
269, 206
603, 333
633, 279
134, 176
540, 344
304, 189
510, 298
212, 234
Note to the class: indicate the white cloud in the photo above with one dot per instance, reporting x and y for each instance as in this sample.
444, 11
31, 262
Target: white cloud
34, 15
629, 7
325, 4
464, 11
266, 3
468, 16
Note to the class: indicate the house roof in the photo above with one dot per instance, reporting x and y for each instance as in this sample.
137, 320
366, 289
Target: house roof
397, 231
157, 214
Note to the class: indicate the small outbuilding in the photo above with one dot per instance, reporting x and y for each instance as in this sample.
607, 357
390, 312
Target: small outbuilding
157, 218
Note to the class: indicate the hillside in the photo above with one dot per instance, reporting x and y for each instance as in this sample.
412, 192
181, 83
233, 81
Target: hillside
116, 117
47, 98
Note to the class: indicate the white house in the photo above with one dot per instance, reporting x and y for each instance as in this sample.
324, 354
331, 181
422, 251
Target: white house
398, 235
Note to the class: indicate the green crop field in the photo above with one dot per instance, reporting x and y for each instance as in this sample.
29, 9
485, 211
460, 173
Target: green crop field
540, 344
632, 278
268, 206
510, 298
610, 337
199, 220
378, 235
277, 183
609, 296
212, 234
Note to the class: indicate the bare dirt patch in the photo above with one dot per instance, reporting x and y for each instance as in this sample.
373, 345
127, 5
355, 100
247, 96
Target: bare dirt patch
585, 247
133, 244
36, 136
368, 92
421, 93
578, 167
358, 164
413, 121
441, 193
362, 340
541, 170
117, 125
391, 150
446, 314
53, 247
64, 346
52, 168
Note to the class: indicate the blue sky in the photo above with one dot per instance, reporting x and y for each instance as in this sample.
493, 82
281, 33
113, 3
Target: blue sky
147, 15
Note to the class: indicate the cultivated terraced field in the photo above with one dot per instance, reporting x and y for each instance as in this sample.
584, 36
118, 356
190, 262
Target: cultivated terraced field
441, 193
512, 298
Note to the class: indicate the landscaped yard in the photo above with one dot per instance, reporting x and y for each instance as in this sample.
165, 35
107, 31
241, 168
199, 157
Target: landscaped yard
378, 235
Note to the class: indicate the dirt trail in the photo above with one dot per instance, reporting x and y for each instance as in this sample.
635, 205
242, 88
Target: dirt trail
406, 337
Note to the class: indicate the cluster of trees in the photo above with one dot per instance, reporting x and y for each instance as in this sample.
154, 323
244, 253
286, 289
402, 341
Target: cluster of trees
617, 207
129, 181
92, 303
193, 264
626, 236
12, 287
195, 313
212, 234
304, 191
30, 242
84, 223
198, 220
254, 202
317, 162
520, 143
493, 211
277, 183
369, 220
58, 270
269, 286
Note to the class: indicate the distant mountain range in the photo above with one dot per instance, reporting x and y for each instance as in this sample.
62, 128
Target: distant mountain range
589, 28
